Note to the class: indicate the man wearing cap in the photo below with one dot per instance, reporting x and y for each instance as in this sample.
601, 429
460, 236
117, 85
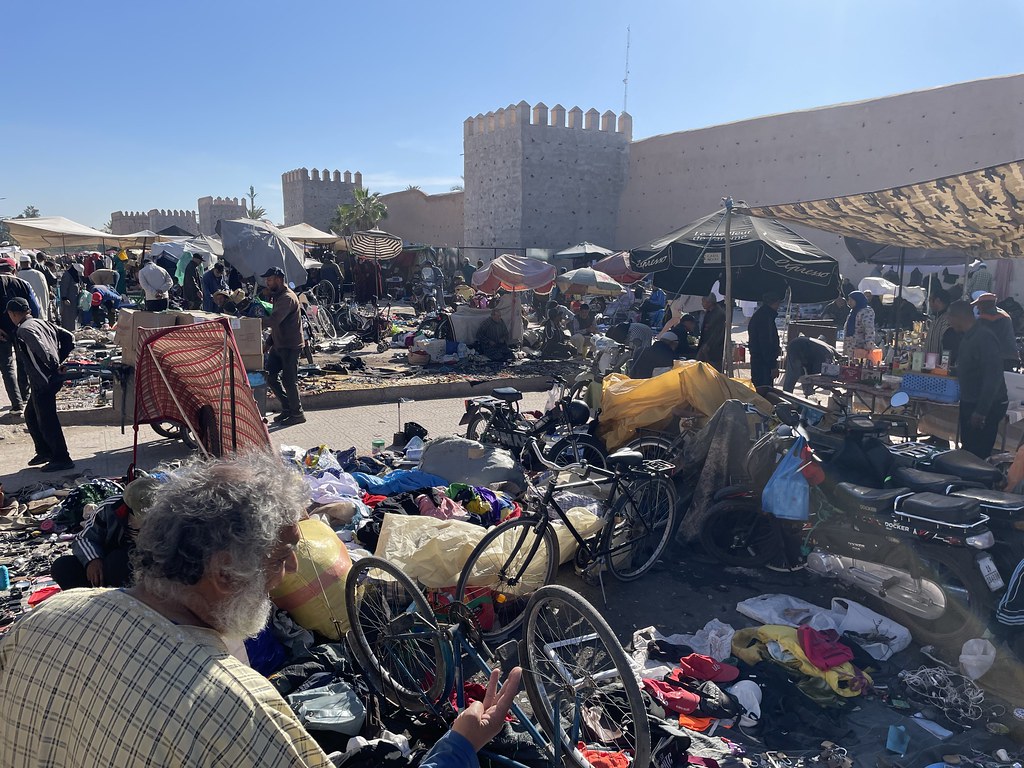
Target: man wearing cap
660, 355
192, 283
763, 341
39, 346
999, 322
983, 397
285, 327
101, 553
156, 282
213, 281
978, 279
13, 371
71, 284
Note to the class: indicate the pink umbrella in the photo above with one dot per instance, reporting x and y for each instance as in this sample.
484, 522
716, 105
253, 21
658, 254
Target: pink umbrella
514, 273
617, 267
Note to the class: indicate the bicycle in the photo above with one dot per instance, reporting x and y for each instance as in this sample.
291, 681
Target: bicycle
578, 680
517, 557
665, 447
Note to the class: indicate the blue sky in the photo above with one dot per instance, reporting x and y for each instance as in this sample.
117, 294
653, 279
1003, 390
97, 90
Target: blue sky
139, 105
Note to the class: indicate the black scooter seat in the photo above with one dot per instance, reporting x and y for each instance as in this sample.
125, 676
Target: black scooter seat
966, 466
625, 458
953, 510
508, 394
1007, 503
874, 501
920, 481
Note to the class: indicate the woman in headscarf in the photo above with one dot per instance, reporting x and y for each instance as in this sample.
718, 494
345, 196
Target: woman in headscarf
860, 325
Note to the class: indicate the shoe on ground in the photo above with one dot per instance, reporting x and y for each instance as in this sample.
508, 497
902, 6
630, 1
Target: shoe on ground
58, 466
295, 418
280, 417
36, 460
16, 412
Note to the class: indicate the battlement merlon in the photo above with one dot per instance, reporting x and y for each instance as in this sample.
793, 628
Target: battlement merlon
539, 114
326, 176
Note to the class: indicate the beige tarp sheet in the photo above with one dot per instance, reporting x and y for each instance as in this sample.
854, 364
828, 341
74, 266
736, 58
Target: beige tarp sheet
466, 320
56, 231
631, 404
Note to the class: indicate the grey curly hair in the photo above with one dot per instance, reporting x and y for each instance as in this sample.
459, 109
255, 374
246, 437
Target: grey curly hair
237, 505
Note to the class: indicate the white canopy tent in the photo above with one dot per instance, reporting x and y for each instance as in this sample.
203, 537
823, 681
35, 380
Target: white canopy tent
305, 233
56, 231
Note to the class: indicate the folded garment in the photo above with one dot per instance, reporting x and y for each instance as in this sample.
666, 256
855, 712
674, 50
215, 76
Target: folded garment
399, 481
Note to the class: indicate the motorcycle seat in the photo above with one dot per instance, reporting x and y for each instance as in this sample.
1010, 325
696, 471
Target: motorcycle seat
966, 466
919, 481
1011, 503
507, 394
952, 510
625, 458
877, 501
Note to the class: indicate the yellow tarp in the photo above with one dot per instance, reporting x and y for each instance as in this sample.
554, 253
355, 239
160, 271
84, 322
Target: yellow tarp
631, 404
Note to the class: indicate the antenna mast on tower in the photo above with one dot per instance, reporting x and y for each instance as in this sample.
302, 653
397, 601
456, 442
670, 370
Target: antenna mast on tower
625, 80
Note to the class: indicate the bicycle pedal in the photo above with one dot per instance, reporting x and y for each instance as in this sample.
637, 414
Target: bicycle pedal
591, 574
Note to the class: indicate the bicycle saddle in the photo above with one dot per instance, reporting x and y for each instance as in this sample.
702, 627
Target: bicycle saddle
508, 394
626, 458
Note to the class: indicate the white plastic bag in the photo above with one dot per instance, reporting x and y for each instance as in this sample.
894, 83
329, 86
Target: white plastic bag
786, 610
892, 637
334, 707
977, 657
714, 640
414, 449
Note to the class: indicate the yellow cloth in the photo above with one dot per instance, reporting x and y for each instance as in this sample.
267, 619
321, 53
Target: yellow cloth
631, 404
750, 646
96, 678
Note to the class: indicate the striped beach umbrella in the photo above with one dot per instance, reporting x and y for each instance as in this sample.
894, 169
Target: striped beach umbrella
375, 244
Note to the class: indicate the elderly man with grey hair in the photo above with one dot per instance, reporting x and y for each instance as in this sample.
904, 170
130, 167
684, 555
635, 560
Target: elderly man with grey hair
157, 674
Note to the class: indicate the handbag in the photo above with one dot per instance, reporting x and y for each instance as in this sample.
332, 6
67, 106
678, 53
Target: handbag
787, 494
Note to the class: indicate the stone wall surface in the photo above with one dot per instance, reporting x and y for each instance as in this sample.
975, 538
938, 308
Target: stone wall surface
156, 219
312, 198
417, 217
827, 152
215, 209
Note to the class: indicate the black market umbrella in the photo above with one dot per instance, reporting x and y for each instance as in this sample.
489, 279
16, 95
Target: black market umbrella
175, 231
583, 250
766, 257
375, 244
252, 247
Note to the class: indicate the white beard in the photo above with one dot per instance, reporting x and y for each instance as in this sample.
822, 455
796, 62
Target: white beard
245, 614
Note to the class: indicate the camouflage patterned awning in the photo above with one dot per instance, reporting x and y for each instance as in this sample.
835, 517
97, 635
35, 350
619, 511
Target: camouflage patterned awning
980, 211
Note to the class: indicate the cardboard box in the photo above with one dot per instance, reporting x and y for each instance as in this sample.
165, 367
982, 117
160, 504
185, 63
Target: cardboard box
130, 320
248, 332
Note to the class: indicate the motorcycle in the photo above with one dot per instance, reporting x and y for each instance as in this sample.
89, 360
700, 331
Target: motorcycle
923, 558
566, 429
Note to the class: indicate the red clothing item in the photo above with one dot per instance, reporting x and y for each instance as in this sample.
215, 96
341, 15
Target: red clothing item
600, 759
372, 501
823, 647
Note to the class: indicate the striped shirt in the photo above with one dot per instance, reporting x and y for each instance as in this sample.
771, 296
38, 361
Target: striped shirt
96, 678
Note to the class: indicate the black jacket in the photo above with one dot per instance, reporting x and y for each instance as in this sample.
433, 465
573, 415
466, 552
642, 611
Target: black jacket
763, 337
980, 369
658, 355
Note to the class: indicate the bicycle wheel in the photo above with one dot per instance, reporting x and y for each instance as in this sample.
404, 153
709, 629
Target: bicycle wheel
641, 523
511, 562
574, 448
325, 322
576, 668
652, 447
323, 292
738, 532
396, 630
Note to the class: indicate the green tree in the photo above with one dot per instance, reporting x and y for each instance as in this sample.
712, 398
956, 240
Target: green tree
108, 227
412, 187
30, 212
366, 211
252, 210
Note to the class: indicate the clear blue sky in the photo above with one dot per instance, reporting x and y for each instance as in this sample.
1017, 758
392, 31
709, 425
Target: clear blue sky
139, 105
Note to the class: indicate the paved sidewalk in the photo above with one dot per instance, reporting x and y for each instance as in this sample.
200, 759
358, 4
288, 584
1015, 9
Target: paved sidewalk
105, 452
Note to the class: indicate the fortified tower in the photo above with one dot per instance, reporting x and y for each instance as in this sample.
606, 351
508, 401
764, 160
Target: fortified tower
215, 209
536, 178
127, 222
312, 198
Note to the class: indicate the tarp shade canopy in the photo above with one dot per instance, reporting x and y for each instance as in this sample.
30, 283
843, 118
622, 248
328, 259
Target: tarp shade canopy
515, 273
617, 267
194, 375
978, 212
766, 257
252, 247
874, 253
55, 232
305, 233
581, 250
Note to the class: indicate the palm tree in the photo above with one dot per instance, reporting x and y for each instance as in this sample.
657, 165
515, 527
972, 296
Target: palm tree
252, 210
364, 212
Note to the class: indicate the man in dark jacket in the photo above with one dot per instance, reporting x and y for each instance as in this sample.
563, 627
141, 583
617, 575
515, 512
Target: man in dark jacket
983, 398
192, 284
998, 321
661, 354
712, 333
71, 283
13, 371
805, 356
213, 281
492, 338
763, 341
101, 553
285, 324
331, 273
39, 345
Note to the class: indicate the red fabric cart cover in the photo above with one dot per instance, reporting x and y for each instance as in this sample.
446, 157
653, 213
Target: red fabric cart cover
515, 273
193, 374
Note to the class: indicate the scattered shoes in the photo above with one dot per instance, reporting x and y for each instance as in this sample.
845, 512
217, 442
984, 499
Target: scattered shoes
36, 460
58, 466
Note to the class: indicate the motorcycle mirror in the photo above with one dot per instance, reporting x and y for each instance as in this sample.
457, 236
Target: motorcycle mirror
787, 414
899, 400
